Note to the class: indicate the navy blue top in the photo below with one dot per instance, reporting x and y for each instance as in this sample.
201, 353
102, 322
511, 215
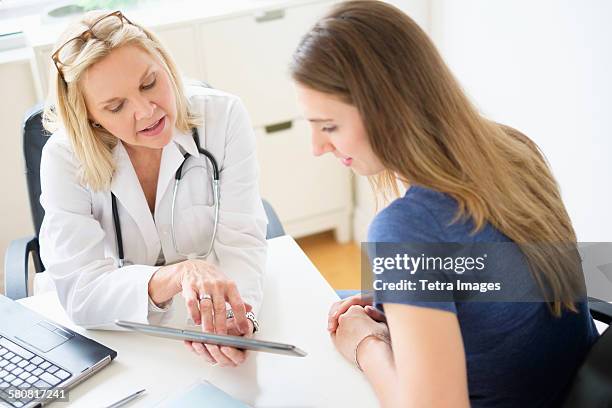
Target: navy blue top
518, 354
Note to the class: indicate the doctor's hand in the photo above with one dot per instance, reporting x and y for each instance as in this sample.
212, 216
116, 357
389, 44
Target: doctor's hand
205, 290
225, 356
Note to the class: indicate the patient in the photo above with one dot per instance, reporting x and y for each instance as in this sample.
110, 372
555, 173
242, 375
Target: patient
380, 98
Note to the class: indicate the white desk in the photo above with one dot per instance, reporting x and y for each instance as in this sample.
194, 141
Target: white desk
296, 301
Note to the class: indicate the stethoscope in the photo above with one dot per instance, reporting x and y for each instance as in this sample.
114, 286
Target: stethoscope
177, 178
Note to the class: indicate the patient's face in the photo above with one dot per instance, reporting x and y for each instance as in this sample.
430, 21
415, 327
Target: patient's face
130, 94
337, 128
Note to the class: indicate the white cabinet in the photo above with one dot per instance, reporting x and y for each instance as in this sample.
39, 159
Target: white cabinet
249, 56
41, 66
309, 193
181, 42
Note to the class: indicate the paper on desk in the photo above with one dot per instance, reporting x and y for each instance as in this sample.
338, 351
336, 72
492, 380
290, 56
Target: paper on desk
201, 394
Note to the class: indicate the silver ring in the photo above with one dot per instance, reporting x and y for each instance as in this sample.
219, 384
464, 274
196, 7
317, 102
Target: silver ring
205, 296
229, 314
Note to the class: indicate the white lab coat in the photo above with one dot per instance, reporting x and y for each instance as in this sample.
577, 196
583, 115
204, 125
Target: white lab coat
77, 239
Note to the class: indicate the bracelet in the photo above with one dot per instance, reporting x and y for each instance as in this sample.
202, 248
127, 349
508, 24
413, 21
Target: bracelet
381, 336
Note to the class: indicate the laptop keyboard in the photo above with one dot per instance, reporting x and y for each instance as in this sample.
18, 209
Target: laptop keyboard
20, 368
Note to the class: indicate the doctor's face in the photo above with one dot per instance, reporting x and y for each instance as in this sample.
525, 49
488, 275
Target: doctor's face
129, 94
337, 128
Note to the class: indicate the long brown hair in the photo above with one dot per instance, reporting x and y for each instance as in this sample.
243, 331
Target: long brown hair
425, 131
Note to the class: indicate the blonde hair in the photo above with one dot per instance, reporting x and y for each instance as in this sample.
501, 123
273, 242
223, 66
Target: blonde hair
425, 131
66, 107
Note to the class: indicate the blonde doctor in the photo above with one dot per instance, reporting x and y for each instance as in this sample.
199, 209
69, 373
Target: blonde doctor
122, 235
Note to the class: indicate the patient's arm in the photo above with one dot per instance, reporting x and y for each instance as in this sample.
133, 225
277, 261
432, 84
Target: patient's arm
427, 366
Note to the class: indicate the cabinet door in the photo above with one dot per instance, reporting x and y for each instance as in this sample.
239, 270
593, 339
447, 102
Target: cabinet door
298, 184
248, 56
42, 65
181, 43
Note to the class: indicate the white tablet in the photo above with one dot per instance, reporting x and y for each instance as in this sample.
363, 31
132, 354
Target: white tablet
211, 338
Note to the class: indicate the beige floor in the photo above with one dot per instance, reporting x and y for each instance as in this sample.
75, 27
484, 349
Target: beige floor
340, 264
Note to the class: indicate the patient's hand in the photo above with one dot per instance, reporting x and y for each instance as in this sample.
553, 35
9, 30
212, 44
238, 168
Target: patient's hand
341, 306
354, 326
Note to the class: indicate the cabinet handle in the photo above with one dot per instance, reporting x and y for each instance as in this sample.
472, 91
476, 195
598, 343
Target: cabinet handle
269, 15
277, 127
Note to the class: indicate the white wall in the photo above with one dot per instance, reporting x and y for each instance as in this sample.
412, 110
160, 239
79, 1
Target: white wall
545, 68
15, 100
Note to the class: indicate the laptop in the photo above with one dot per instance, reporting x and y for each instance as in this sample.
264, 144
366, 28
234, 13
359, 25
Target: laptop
39, 358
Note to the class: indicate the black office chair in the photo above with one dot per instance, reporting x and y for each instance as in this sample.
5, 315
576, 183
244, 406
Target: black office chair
592, 384
19, 250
